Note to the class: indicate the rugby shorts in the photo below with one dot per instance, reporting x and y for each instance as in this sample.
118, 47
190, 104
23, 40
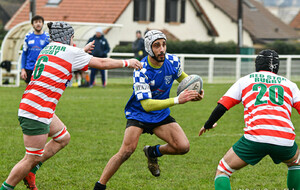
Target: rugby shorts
252, 152
33, 127
148, 127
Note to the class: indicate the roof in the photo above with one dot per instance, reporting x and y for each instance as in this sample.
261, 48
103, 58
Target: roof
258, 21
8, 9
203, 16
295, 23
95, 11
11, 6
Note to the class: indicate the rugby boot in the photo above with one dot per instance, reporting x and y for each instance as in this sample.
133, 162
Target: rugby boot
29, 181
152, 163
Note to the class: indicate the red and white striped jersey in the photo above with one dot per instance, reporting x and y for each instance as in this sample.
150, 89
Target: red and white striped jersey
268, 100
50, 77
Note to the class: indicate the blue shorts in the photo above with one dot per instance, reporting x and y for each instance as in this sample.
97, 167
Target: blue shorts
148, 127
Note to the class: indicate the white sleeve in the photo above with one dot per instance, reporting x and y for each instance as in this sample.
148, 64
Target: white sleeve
296, 93
235, 91
81, 59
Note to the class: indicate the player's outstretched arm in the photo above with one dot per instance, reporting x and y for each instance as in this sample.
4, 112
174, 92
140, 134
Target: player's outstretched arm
108, 63
203, 129
213, 118
89, 47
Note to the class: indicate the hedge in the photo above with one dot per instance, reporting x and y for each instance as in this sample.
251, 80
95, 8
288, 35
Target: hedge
191, 47
285, 48
194, 47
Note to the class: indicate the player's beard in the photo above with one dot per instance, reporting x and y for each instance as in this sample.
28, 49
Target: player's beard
158, 59
38, 30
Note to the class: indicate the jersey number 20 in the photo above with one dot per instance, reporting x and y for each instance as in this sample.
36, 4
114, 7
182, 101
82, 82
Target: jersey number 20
39, 68
276, 94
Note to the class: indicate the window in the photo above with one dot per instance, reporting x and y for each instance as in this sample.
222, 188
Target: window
143, 10
53, 2
175, 11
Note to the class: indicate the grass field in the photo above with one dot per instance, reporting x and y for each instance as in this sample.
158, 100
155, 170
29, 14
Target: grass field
96, 122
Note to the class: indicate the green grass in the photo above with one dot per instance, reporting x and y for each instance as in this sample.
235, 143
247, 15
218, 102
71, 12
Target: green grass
96, 122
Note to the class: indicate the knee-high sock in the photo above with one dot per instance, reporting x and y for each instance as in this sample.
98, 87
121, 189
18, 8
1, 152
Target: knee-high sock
222, 182
293, 178
6, 186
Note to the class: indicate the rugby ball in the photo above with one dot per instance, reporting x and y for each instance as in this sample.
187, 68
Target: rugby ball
192, 82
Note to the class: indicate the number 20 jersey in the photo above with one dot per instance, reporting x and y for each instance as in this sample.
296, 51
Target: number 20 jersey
52, 73
268, 100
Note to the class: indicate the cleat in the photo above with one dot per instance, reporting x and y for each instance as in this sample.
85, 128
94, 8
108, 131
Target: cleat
152, 163
29, 181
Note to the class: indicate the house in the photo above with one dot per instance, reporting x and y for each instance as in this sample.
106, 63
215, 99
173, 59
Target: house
286, 10
295, 23
200, 20
259, 24
8, 9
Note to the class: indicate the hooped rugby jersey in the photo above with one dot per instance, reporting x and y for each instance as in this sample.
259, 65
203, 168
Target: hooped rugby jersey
33, 44
268, 100
152, 83
50, 77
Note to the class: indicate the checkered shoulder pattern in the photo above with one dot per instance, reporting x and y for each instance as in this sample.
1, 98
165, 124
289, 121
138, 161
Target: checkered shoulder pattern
175, 61
141, 84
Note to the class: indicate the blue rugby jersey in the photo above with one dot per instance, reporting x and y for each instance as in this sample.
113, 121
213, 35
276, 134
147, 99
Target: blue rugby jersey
32, 46
152, 83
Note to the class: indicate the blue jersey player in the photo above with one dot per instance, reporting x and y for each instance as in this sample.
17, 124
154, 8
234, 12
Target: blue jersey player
34, 42
147, 110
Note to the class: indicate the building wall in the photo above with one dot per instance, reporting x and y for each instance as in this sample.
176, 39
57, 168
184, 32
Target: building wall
192, 29
226, 28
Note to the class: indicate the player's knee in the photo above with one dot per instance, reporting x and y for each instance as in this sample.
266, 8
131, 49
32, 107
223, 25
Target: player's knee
127, 152
65, 141
224, 168
62, 137
33, 155
183, 148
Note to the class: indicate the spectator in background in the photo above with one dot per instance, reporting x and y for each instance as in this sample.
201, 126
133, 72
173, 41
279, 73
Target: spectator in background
138, 46
101, 49
34, 42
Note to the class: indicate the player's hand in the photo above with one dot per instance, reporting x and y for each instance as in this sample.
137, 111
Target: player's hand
23, 74
187, 95
135, 64
200, 96
203, 130
89, 47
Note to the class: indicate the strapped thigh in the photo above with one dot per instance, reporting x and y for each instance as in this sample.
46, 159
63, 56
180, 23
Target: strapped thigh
224, 167
295, 162
34, 151
60, 134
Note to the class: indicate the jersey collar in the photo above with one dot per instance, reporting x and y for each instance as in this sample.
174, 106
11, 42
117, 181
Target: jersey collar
153, 66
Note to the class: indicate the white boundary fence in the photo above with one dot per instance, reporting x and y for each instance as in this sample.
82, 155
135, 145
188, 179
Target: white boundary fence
212, 68
228, 67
